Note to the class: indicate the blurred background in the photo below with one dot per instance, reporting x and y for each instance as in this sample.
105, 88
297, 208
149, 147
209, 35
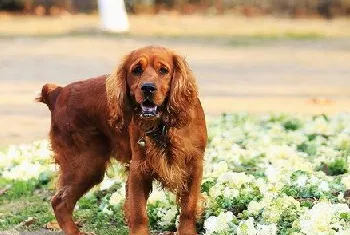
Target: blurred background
295, 8
256, 56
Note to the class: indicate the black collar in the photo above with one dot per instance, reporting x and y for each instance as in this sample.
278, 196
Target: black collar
158, 134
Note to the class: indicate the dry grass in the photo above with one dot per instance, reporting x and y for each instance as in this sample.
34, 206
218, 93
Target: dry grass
175, 25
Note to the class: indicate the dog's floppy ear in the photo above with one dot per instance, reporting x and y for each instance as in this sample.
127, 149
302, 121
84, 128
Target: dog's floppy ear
183, 93
116, 95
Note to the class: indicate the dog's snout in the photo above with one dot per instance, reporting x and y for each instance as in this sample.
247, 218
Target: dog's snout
148, 87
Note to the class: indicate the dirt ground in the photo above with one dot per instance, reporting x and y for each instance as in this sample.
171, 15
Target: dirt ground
310, 75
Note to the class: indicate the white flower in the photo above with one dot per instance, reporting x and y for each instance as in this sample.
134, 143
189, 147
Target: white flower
216, 190
246, 143
314, 180
301, 180
319, 219
341, 197
346, 181
224, 220
235, 179
167, 218
230, 192
340, 208
157, 195
254, 207
318, 126
273, 208
323, 186
272, 173
105, 210
116, 198
296, 138
263, 186
246, 227
25, 171
210, 225
220, 224
263, 229
342, 141
219, 168
344, 232
107, 183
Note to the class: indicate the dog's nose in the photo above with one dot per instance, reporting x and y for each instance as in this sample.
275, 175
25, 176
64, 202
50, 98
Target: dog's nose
148, 87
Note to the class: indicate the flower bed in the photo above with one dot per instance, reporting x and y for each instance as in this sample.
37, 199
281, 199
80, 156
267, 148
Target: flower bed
273, 174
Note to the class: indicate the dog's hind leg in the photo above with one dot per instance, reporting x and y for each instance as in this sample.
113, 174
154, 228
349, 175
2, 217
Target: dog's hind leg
78, 174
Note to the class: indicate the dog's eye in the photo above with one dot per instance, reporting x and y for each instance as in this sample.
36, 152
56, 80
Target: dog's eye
137, 71
163, 70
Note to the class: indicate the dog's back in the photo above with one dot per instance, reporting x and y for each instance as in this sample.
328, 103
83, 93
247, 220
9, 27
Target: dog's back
78, 111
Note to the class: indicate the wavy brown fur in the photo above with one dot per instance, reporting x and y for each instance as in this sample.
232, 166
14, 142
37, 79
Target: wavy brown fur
116, 95
170, 165
99, 118
183, 94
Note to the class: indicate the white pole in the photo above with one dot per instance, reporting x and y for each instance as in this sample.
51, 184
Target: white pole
113, 15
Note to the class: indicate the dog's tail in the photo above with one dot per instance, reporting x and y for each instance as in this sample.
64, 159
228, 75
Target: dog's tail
48, 95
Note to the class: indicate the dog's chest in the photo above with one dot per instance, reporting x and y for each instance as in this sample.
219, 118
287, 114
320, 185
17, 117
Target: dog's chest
166, 163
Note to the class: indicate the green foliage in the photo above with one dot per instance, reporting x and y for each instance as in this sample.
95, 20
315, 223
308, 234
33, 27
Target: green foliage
237, 205
311, 191
16, 211
285, 223
241, 150
308, 148
307, 203
345, 216
207, 185
152, 212
94, 220
17, 189
250, 166
292, 124
337, 167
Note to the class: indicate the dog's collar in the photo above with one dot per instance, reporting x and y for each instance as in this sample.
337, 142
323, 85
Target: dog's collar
158, 134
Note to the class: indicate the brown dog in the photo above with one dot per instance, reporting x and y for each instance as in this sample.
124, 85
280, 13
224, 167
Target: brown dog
147, 115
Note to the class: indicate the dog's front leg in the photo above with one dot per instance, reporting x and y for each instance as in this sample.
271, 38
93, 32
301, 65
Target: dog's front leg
189, 202
139, 187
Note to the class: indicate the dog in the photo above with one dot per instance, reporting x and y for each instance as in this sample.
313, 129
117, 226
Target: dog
145, 114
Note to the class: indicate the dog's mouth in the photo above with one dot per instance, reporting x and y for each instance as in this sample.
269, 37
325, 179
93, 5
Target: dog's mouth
148, 109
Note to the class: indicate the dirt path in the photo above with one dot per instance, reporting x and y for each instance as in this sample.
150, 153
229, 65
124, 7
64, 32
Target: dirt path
292, 76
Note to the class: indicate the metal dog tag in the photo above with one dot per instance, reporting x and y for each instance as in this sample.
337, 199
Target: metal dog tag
141, 142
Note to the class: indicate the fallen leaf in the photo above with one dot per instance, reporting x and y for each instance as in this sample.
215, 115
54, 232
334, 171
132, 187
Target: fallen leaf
79, 223
347, 194
26, 222
4, 190
53, 225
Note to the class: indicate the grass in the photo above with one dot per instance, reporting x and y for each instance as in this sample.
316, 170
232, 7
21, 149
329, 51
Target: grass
21, 201
27, 199
229, 40
14, 212
228, 27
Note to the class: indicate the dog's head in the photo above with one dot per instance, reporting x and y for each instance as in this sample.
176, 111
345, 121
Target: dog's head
155, 83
